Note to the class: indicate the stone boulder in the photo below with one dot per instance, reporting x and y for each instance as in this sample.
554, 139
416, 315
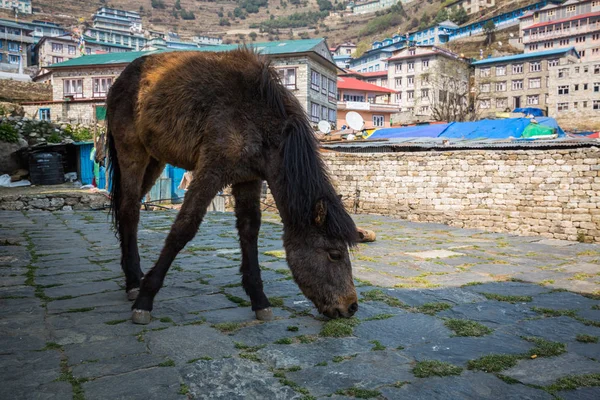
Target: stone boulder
8, 158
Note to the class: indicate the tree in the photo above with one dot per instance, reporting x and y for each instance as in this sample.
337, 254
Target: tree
253, 36
441, 16
325, 5
459, 16
451, 98
178, 5
489, 28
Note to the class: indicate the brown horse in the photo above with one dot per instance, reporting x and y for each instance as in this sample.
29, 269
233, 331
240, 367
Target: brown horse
227, 118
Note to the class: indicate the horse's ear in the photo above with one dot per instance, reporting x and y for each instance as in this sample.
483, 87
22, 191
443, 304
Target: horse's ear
320, 213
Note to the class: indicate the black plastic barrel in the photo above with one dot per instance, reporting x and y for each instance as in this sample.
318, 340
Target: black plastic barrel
46, 169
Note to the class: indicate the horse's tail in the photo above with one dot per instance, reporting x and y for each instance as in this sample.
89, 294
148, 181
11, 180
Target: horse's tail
115, 173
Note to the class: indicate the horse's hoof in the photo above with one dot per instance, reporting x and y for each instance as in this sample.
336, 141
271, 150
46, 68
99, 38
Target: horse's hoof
132, 294
264, 315
141, 317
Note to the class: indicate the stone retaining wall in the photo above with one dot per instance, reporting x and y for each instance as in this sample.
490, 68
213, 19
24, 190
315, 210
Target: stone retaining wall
552, 193
17, 91
54, 201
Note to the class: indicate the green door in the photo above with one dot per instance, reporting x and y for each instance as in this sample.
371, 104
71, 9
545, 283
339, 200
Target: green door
100, 113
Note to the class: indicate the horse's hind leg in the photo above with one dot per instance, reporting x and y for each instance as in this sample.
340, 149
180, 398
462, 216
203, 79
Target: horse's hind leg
202, 190
247, 211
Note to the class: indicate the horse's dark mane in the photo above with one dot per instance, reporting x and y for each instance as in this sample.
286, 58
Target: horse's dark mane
303, 179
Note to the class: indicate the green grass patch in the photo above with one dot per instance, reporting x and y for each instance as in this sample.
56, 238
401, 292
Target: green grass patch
377, 345
201, 248
78, 310
227, 327
494, 362
276, 301
294, 368
549, 312
321, 364
379, 317
359, 393
508, 299
304, 339
51, 346
166, 320
167, 363
284, 341
380, 295
116, 321
339, 327
463, 327
587, 339
248, 349
507, 379
339, 359
575, 381
425, 369
295, 386
545, 348
275, 253
292, 328
251, 357
433, 308
183, 389
238, 300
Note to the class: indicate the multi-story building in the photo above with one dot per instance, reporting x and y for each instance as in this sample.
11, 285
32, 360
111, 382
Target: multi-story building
134, 41
347, 49
574, 95
44, 28
53, 50
15, 40
373, 103
472, 6
517, 81
372, 60
425, 79
572, 24
203, 40
117, 20
366, 7
80, 85
21, 6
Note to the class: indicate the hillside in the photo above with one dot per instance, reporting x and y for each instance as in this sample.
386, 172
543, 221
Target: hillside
235, 20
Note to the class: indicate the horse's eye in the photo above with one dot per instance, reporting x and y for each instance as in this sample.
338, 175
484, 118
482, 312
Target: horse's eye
334, 255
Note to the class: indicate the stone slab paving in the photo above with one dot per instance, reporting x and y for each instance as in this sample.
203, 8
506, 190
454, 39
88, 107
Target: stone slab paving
445, 313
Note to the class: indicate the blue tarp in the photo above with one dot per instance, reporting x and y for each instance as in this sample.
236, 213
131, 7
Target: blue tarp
495, 129
536, 112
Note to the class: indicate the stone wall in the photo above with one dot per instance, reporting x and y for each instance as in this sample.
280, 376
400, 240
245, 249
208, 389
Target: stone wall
18, 91
54, 201
551, 193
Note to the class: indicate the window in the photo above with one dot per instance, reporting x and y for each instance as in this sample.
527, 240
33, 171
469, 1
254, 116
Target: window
324, 84
410, 95
553, 63
575, 87
595, 36
424, 93
44, 114
563, 72
533, 99
575, 105
324, 113
501, 86
332, 116
424, 109
442, 95
580, 39
596, 87
535, 83
411, 52
501, 70
533, 47
315, 79
485, 103
596, 104
12, 59
410, 81
570, 9
378, 120
288, 77
564, 42
563, 106
57, 48
411, 66
425, 79
314, 112
502, 103
399, 97
56, 59
399, 67
484, 72
398, 82
585, 104
425, 64
585, 86
353, 97
517, 85
484, 87
551, 13
73, 87
12, 46
596, 69
332, 91
548, 45
563, 89
517, 69
88, 51
101, 86
72, 50
535, 66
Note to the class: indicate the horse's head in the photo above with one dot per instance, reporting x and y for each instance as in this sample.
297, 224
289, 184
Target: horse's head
319, 260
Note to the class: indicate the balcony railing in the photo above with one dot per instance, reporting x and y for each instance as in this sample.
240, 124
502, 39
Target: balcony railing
365, 106
558, 34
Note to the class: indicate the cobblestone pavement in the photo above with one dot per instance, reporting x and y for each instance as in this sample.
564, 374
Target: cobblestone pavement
439, 318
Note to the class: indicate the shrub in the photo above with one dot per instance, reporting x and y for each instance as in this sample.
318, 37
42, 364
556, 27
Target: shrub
8, 133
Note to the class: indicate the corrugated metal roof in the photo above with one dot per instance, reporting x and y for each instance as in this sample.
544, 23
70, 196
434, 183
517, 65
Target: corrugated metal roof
525, 56
346, 83
281, 47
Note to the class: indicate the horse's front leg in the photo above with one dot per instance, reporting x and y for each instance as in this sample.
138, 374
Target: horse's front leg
247, 212
204, 187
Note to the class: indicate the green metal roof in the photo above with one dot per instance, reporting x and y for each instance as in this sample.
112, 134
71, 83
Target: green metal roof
281, 47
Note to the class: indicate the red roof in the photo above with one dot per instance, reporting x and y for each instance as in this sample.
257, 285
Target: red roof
373, 74
355, 84
558, 21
